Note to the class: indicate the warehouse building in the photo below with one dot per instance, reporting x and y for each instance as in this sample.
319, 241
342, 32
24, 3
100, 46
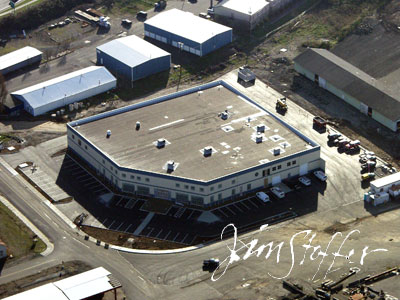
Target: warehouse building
19, 58
247, 14
133, 57
58, 92
92, 284
352, 85
187, 32
202, 146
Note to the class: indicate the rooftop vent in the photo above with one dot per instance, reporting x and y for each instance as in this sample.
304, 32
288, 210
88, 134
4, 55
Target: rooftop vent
160, 143
108, 133
170, 165
137, 125
261, 128
259, 138
207, 151
224, 115
277, 151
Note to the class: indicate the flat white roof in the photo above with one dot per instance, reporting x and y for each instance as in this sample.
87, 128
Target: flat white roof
382, 182
187, 25
248, 7
64, 86
18, 56
132, 50
76, 287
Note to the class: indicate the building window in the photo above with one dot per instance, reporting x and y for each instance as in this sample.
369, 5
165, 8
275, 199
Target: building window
256, 174
143, 190
177, 185
116, 172
103, 162
128, 187
147, 179
288, 164
233, 192
219, 196
73, 137
220, 186
211, 188
183, 198
111, 168
186, 187
293, 162
273, 169
79, 143
279, 167
212, 198
263, 173
132, 177
123, 175
139, 178
233, 181
249, 187
85, 147
201, 189
192, 188
199, 201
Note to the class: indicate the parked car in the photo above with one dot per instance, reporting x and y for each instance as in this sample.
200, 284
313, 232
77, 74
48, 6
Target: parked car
367, 176
278, 192
369, 166
305, 180
263, 197
333, 136
210, 265
320, 175
126, 22
141, 15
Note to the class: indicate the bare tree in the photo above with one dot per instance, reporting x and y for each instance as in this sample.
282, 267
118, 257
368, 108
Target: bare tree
3, 92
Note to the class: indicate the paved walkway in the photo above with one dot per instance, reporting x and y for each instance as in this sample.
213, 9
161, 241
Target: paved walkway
144, 223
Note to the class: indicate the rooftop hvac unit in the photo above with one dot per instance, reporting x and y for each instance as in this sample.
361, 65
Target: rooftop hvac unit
207, 151
224, 115
170, 165
137, 125
261, 128
108, 133
277, 151
259, 138
160, 143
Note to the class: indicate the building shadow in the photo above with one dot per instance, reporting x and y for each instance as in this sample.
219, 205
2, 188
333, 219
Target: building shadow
2, 263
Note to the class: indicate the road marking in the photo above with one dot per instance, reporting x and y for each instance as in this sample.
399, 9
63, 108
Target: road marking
141, 278
167, 124
47, 216
175, 237
184, 237
352, 202
245, 205
159, 233
255, 205
237, 207
119, 201
119, 226
32, 267
222, 212
190, 215
150, 232
230, 210
166, 237
105, 220
81, 243
111, 224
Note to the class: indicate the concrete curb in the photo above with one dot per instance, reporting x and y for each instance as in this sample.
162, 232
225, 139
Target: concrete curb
172, 251
30, 225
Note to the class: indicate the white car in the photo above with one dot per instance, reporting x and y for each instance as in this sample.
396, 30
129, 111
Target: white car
320, 175
278, 192
263, 197
305, 180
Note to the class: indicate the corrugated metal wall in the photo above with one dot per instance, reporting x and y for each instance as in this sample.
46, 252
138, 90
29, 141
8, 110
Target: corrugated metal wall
113, 65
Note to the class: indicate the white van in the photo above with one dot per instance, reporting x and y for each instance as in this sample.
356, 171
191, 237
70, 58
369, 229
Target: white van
263, 197
278, 192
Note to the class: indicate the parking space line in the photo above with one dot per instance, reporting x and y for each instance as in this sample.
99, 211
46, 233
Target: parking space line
91, 184
88, 179
158, 234
126, 230
119, 201
119, 226
191, 242
184, 237
190, 215
222, 212
130, 204
105, 220
83, 176
237, 207
175, 237
166, 237
245, 205
230, 210
150, 232
98, 190
255, 205
111, 224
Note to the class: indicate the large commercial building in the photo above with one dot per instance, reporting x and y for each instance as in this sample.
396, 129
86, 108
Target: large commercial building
200, 146
19, 58
187, 32
133, 57
58, 92
352, 85
247, 14
87, 285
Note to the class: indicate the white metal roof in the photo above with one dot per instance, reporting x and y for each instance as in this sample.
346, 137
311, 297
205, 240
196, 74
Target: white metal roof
132, 50
248, 7
18, 56
187, 25
382, 182
77, 287
64, 86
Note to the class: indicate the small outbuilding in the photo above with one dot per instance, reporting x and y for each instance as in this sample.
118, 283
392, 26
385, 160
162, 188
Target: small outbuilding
187, 32
61, 91
133, 57
19, 58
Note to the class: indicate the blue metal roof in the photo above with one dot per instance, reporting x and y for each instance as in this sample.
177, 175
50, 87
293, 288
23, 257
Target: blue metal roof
132, 50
